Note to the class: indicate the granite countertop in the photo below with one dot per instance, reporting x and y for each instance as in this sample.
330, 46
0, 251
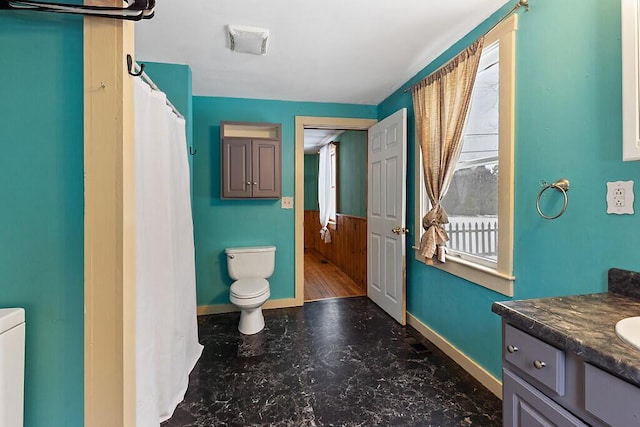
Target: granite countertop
585, 324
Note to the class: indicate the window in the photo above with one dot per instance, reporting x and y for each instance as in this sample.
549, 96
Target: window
479, 201
334, 183
472, 200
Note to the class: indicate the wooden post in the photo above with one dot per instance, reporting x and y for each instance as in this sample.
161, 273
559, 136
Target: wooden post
109, 224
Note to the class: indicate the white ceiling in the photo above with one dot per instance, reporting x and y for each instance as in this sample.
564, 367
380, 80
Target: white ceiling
316, 138
343, 51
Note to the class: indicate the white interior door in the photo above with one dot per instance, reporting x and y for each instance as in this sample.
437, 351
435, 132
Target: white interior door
387, 166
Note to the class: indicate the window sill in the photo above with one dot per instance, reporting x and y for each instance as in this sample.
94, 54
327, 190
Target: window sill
475, 273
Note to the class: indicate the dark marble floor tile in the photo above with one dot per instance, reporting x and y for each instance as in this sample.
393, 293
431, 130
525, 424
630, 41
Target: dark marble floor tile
340, 362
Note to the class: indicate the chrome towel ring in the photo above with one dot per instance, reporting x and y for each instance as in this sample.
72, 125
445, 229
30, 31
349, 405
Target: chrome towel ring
561, 185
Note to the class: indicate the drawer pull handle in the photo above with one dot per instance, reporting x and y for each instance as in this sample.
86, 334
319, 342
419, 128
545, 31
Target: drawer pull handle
539, 364
512, 348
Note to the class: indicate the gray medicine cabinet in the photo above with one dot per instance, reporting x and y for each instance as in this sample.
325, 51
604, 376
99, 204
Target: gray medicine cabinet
250, 160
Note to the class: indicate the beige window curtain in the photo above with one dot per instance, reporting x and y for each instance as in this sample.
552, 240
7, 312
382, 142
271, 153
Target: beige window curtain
441, 103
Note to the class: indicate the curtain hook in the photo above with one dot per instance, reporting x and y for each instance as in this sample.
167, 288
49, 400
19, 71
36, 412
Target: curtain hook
192, 151
130, 67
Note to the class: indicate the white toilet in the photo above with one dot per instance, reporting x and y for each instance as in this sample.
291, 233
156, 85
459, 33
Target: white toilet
250, 268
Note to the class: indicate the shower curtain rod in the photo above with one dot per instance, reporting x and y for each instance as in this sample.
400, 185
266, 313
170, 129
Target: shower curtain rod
136, 70
520, 4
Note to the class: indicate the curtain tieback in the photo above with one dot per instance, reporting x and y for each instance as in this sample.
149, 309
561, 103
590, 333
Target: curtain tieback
435, 234
437, 216
325, 235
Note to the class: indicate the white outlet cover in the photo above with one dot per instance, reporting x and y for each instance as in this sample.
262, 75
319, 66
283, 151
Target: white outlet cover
626, 206
287, 203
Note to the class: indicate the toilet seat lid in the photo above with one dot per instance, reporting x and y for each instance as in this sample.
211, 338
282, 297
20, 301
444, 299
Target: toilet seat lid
249, 288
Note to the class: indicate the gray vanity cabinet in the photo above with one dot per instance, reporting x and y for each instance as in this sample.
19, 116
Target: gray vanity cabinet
532, 372
547, 386
250, 161
526, 406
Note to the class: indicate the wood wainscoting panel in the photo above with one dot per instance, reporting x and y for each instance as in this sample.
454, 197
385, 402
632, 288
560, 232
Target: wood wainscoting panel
311, 229
348, 247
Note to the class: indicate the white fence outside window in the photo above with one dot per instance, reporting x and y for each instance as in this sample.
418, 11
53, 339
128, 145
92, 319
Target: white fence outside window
474, 235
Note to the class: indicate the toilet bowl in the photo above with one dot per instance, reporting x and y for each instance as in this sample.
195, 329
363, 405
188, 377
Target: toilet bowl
250, 268
249, 295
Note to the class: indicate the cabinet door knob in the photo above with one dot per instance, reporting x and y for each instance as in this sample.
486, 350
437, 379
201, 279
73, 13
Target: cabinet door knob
255, 183
248, 182
512, 348
538, 364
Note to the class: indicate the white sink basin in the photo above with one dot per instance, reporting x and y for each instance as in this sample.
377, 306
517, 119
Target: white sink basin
629, 331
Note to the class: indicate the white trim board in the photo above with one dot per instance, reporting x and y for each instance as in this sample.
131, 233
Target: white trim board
204, 310
478, 372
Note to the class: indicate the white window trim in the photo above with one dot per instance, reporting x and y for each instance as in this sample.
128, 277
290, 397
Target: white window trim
501, 278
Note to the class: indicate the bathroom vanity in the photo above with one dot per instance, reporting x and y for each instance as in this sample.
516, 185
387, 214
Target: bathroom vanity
563, 363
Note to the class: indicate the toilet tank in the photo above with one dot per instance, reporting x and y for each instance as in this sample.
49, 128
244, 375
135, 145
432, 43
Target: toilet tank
244, 263
12, 328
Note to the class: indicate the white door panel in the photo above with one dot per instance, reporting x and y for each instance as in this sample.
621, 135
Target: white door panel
374, 272
391, 281
391, 211
375, 180
387, 167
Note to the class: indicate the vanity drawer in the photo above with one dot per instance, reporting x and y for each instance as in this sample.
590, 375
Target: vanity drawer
536, 359
614, 401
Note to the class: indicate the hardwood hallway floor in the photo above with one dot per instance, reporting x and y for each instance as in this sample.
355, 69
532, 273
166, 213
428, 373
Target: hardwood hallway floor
322, 279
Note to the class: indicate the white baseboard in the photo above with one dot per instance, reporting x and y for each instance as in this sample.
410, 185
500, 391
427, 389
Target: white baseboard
204, 310
230, 308
478, 372
281, 303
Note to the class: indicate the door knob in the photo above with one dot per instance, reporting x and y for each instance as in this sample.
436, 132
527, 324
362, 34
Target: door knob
400, 230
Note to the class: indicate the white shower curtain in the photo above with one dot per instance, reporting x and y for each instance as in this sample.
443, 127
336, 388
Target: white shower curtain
167, 346
326, 201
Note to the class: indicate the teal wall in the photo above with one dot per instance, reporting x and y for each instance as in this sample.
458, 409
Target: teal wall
311, 182
568, 124
227, 223
352, 173
175, 81
41, 170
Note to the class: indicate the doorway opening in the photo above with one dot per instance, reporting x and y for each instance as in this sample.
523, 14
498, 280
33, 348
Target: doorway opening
311, 256
335, 199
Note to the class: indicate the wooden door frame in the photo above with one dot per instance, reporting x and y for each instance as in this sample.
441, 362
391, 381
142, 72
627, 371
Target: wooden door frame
303, 122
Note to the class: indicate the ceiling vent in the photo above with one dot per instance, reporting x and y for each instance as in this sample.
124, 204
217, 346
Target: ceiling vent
248, 39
